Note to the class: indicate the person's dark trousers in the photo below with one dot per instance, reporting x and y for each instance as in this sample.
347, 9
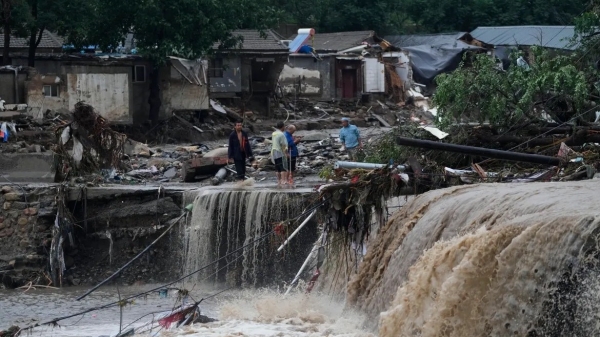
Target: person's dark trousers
240, 168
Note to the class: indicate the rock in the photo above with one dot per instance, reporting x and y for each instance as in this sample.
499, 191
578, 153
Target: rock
6, 205
136, 148
6, 189
12, 196
170, 173
2, 226
69, 261
158, 162
24, 243
76, 281
22, 221
33, 211
1, 219
7, 232
19, 205
41, 228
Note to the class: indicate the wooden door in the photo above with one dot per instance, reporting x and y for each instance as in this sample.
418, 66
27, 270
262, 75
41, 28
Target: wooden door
348, 83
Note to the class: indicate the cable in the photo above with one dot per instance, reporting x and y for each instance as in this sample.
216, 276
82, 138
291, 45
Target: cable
109, 305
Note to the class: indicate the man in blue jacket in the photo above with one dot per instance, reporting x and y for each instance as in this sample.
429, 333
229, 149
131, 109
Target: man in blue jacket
350, 138
292, 141
239, 150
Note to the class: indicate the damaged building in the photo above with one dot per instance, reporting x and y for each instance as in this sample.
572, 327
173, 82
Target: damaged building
116, 84
502, 41
342, 66
433, 54
250, 71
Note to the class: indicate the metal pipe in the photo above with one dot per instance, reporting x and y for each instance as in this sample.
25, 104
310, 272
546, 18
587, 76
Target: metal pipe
478, 151
219, 177
297, 230
308, 258
366, 166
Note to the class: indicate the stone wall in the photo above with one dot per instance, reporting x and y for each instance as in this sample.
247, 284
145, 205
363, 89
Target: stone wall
26, 217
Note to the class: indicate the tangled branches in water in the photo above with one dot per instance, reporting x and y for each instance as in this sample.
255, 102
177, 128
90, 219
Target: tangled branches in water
93, 143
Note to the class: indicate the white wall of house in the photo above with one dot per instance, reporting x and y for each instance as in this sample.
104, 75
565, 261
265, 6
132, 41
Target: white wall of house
107, 93
309, 81
374, 76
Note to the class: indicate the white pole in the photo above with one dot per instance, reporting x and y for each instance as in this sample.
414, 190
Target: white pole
310, 255
297, 230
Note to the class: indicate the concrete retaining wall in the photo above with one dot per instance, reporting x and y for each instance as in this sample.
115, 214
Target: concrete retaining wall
27, 167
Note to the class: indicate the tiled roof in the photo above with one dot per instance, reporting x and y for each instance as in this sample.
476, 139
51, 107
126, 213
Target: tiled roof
253, 41
49, 40
557, 37
334, 42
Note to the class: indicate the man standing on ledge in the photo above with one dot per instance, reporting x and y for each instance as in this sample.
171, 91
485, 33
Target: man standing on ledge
279, 154
292, 141
239, 149
350, 138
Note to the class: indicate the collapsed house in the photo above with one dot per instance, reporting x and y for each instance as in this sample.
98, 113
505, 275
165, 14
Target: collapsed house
502, 41
340, 66
249, 71
117, 84
434, 54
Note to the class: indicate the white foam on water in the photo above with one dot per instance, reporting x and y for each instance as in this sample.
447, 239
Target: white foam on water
269, 313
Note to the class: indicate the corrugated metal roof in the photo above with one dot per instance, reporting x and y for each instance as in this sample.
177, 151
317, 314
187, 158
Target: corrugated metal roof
49, 40
333, 42
558, 37
423, 39
253, 40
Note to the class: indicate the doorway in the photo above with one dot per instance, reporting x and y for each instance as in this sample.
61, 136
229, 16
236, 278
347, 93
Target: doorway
348, 83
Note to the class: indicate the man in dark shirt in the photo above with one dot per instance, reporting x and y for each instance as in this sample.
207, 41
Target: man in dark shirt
239, 150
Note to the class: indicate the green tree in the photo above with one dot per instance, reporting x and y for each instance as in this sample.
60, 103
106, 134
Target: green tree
466, 15
185, 28
68, 18
13, 13
343, 15
483, 92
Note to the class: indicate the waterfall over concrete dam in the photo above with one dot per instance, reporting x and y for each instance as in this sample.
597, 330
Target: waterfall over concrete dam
486, 260
225, 219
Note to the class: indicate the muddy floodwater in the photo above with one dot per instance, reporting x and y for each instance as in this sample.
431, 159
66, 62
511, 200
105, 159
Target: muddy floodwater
41, 305
240, 313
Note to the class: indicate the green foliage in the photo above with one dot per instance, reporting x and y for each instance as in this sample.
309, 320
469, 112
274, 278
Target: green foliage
186, 28
384, 150
483, 92
448, 15
326, 173
343, 15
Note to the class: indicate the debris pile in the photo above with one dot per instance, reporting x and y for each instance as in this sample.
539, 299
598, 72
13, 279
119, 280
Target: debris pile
86, 145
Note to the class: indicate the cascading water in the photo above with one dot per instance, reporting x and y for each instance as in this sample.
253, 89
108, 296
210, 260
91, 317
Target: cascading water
486, 260
224, 220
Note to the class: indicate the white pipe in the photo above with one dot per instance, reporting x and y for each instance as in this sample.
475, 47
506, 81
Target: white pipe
308, 258
297, 230
367, 166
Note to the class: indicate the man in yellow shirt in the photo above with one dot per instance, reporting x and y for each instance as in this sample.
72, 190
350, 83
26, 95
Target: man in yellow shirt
280, 154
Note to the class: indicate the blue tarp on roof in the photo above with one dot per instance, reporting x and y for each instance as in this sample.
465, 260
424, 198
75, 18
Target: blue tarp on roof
432, 54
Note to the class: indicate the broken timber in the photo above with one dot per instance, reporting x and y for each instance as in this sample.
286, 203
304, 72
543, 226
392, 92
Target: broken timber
477, 151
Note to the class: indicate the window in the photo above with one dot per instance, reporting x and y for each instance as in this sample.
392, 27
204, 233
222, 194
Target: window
51, 90
139, 73
216, 67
